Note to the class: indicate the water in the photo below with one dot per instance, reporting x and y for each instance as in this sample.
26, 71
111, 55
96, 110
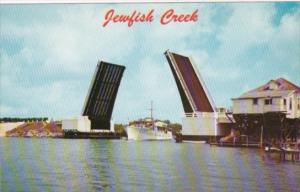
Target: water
120, 165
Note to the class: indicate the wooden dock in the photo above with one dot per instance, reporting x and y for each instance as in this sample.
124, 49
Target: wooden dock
236, 144
286, 154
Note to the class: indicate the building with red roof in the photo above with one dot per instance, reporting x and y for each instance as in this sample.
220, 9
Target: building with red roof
273, 109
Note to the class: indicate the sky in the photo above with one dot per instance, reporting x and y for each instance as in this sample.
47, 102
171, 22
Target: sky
49, 53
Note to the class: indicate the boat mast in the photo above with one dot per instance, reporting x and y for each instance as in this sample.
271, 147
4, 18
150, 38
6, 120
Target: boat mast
151, 110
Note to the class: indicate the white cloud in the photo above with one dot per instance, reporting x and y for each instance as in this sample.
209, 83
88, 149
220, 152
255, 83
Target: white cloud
11, 111
50, 74
285, 41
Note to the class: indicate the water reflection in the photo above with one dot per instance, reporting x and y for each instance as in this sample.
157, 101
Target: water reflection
117, 165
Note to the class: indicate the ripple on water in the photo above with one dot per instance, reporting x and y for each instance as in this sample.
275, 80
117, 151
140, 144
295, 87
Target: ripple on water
103, 165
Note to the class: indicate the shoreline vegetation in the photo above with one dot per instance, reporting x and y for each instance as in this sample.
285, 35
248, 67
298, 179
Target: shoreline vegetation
34, 129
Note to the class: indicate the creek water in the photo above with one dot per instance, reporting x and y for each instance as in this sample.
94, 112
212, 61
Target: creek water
32, 164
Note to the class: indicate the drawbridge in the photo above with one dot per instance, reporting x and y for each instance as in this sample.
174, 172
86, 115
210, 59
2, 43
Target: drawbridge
96, 119
102, 94
201, 116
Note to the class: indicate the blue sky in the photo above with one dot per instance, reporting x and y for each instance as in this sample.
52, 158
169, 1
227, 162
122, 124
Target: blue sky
49, 53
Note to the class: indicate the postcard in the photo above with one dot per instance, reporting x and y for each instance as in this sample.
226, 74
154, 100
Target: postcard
150, 96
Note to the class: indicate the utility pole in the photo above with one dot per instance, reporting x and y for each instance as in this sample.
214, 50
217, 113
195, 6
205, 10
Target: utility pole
262, 131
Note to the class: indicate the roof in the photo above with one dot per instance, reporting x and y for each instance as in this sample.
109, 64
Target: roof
274, 88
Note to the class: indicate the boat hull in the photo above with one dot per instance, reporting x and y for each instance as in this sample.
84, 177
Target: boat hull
142, 133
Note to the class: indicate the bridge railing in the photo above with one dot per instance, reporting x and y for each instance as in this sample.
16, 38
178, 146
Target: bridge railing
202, 114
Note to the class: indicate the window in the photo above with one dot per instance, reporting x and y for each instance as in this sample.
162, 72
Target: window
284, 101
268, 101
291, 105
255, 101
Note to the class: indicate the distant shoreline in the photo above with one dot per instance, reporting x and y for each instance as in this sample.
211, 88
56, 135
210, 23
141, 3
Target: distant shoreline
30, 129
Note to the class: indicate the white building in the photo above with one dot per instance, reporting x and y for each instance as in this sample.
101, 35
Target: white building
82, 124
271, 111
277, 95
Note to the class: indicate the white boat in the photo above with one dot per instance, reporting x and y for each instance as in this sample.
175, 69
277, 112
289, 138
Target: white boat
148, 129
142, 132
